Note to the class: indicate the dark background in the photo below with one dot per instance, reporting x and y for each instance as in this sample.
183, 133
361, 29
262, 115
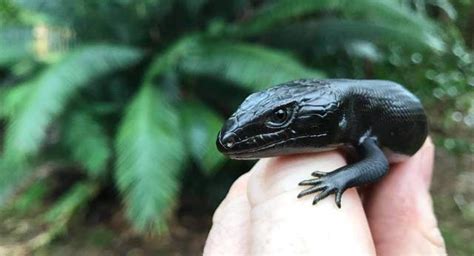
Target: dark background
109, 109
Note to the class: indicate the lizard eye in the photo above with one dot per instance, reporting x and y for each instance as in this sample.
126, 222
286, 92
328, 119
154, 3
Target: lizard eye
278, 118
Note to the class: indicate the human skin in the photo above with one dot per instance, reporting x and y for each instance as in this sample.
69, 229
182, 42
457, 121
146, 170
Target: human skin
262, 216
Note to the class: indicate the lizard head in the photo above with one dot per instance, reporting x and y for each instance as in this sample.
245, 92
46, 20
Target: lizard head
294, 117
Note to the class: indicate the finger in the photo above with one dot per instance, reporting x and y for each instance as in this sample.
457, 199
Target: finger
400, 212
230, 223
281, 224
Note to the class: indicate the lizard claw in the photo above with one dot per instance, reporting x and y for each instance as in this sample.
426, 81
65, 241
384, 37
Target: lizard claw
312, 182
329, 183
311, 190
319, 174
338, 198
323, 195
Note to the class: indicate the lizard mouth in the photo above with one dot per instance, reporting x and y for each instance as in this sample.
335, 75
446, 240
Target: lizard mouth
231, 145
267, 150
253, 153
272, 149
250, 153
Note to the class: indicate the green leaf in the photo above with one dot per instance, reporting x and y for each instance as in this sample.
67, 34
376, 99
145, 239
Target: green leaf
51, 91
150, 154
35, 104
61, 213
170, 57
397, 16
12, 170
11, 99
201, 126
279, 12
390, 12
68, 204
250, 66
326, 34
446, 6
87, 142
30, 199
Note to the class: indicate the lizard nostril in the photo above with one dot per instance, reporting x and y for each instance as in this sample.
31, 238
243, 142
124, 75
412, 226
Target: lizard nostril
229, 140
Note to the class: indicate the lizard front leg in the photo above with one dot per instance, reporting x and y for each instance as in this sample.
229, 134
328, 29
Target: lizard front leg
372, 166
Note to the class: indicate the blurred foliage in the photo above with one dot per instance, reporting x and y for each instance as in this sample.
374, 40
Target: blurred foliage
134, 92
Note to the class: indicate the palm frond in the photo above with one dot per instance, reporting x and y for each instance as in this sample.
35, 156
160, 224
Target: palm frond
36, 103
87, 142
446, 6
150, 154
31, 198
75, 198
247, 65
12, 171
279, 12
51, 91
326, 35
396, 15
389, 12
200, 134
170, 58
61, 213
12, 98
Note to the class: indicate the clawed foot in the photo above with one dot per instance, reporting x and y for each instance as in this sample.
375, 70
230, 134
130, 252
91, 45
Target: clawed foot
326, 184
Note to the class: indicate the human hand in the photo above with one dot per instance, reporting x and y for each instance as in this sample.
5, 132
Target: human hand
262, 216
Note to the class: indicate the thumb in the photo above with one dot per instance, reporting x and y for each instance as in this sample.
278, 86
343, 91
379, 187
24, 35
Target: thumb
282, 224
400, 211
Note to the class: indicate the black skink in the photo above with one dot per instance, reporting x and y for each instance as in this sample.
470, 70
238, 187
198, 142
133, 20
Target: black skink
381, 120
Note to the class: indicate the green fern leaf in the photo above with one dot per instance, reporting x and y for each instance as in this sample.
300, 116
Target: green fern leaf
72, 200
87, 142
319, 36
251, 66
201, 126
35, 104
170, 58
150, 154
446, 6
280, 12
61, 213
12, 170
12, 98
31, 198
51, 91
389, 12
397, 16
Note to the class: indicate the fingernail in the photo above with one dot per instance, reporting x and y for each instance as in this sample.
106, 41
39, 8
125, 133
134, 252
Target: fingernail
426, 163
